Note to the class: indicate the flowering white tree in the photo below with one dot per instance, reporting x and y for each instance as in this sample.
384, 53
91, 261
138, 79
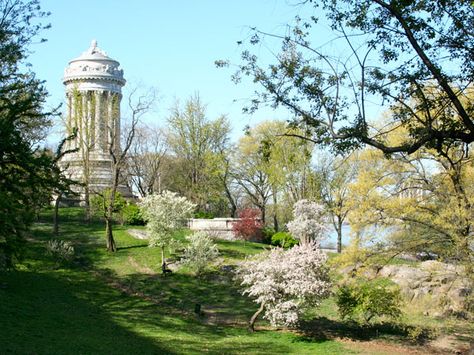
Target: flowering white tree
165, 213
200, 251
285, 282
307, 224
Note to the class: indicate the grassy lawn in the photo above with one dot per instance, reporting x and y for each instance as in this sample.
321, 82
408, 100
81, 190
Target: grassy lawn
121, 304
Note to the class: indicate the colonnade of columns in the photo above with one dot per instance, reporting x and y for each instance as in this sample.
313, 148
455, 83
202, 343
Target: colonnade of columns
96, 115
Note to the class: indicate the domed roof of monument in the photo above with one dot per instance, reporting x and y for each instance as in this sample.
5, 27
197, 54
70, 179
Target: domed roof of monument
94, 64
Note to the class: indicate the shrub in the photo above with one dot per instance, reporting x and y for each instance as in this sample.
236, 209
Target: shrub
285, 282
368, 299
60, 250
204, 215
284, 240
199, 252
249, 227
132, 215
267, 234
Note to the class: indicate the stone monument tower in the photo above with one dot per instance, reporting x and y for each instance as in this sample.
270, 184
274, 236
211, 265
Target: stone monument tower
93, 92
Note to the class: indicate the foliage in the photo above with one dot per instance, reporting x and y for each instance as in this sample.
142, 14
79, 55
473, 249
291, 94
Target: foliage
368, 299
334, 176
199, 252
145, 160
132, 215
28, 174
249, 226
203, 215
267, 234
100, 202
198, 146
285, 282
307, 224
271, 166
422, 203
284, 240
379, 51
61, 250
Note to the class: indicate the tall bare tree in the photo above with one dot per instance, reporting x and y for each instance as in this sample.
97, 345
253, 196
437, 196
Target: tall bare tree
145, 159
138, 104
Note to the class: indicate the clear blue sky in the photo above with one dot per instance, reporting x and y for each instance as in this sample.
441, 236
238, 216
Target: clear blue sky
171, 45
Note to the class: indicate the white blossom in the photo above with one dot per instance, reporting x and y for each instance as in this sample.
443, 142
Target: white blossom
285, 282
307, 224
165, 213
200, 251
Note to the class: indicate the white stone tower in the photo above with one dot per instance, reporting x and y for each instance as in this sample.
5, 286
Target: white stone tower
93, 92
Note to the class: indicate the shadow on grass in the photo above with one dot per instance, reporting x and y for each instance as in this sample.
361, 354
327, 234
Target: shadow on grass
63, 313
218, 297
132, 247
73, 312
323, 328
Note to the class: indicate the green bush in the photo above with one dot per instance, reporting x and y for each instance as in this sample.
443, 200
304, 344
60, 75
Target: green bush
284, 240
267, 234
204, 215
368, 299
132, 215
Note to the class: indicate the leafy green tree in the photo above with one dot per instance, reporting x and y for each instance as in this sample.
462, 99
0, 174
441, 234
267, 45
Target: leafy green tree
27, 172
272, 166
381, 51
423, 201
333, 178
198, 146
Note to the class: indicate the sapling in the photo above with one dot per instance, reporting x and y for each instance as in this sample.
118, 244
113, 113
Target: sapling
165, 213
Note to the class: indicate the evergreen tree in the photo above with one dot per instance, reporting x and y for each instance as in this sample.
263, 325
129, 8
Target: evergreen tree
26, 170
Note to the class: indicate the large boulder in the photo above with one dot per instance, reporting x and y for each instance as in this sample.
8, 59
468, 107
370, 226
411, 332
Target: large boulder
442, 283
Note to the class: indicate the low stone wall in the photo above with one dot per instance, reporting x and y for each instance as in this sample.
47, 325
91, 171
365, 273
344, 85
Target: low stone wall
216, 227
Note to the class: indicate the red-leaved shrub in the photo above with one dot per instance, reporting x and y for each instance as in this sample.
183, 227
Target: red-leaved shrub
249, 227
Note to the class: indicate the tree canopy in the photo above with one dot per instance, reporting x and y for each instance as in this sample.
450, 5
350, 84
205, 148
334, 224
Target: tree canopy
414, 57
28, 174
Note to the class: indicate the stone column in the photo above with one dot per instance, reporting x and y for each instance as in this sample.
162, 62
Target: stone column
97, 119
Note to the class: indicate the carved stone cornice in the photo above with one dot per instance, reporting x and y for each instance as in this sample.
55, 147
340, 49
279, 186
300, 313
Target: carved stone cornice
93, 64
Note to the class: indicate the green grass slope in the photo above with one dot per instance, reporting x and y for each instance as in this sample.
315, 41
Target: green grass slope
120, 304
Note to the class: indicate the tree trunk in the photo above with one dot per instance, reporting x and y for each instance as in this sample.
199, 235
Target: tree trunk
275, 215
163, 261
56, 215
263, 213
87, 205
339, 234
233, 205
109, 235
254, 317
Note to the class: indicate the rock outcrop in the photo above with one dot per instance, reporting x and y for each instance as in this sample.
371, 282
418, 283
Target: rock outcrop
441, 282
